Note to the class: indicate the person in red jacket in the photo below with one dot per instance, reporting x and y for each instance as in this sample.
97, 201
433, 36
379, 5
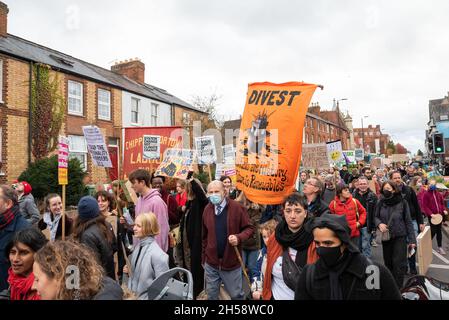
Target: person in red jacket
345, 204
226, 225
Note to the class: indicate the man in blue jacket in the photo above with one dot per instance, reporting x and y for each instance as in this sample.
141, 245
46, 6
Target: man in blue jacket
11, 221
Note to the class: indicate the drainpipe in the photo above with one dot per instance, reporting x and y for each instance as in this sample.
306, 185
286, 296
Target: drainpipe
30, 115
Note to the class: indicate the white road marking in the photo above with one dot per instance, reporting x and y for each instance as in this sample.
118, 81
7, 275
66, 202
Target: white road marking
440, 257
438, 266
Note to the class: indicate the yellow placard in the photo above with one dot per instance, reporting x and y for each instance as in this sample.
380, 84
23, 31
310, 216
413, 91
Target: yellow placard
63, 177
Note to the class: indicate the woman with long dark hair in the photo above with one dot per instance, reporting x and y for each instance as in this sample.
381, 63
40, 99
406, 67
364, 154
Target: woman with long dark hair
92, 229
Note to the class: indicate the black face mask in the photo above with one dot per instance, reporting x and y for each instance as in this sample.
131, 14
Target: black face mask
387, 194
330, 255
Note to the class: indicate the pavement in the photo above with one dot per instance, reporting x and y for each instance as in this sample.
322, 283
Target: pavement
438, 269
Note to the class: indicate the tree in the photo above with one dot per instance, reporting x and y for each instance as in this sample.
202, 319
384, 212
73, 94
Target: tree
420, 153
43, 177
400, 149
47, 111
391, 148
209, 105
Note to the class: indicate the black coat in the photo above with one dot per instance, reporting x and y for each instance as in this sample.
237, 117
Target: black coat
193, 226
94, 239
318, 207
110, 290
412, 200
353, 282
368, 201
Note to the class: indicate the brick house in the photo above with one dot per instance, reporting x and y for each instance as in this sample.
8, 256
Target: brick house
374, 140
94, 96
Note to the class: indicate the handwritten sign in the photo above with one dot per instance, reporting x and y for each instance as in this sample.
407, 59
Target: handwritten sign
205, 147
151, 147
96, 147
176, 163
314, 156
63, 160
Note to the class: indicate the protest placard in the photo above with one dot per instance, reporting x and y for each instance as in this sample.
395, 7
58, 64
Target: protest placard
151, 147
176, 163
334, 152
269, 145
229, 154
63, 160
205, 148
96, 147
314, 156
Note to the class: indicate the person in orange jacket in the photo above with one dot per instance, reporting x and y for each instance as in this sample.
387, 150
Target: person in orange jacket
289, 249
345, 204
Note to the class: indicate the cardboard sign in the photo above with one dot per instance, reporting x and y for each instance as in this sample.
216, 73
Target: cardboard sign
359, 154
334, 152
96, 147
223, 169
205, 148
151, 147
63, 160
176, 163
270, 141
314, 156
424, 255
229, 154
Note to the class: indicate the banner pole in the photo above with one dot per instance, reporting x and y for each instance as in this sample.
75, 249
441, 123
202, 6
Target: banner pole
63, 212
210, 173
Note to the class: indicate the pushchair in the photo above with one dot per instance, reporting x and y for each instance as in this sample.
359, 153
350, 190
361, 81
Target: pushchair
425, 288
167, 287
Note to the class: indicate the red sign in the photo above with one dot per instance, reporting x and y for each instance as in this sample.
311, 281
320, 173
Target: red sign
133, 159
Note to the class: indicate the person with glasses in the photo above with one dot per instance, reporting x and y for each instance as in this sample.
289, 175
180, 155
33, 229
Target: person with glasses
289, 249
312, 191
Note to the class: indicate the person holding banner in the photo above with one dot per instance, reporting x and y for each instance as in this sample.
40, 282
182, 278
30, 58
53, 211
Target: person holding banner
434, 208
189, 249
150, 200
225, 225
289, 249
51, 223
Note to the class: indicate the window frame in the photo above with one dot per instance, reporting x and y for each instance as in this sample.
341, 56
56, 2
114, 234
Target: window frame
102, 104
136, 112
154, 115
81, 98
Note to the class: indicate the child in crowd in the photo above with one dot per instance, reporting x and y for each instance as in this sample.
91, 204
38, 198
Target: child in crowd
266, 230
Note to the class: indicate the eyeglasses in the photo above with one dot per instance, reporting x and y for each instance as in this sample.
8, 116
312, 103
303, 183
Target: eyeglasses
310, 183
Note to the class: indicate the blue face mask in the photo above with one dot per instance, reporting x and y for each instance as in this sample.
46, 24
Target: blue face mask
215, 199
433, 187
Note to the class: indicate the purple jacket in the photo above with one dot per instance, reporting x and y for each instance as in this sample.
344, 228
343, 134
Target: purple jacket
432, 203
153, 202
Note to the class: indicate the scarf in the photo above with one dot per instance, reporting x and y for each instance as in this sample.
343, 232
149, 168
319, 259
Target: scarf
397, 197
21, 286
52, 224
335, 273
7, 217
299, 240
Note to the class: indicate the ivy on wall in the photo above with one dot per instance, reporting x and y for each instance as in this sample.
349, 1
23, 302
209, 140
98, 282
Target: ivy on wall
47, 111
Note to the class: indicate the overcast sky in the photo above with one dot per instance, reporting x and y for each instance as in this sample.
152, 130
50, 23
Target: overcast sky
388, 58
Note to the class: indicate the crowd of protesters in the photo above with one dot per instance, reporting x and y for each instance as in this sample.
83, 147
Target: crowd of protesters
317, 244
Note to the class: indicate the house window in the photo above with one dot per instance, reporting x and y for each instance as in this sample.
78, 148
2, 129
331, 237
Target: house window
371, 133
186, 118
304, 135
154, 114
135, 110
104, 104
328, 128
311, 123
311, 139
78, 150
1, 80
1, 146
113, 142
75, 98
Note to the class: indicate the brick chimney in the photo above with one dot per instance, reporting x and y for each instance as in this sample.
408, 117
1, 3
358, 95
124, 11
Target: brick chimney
133, 69
3, 19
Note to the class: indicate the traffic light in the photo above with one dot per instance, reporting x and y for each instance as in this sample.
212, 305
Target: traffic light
429, 142
438, 143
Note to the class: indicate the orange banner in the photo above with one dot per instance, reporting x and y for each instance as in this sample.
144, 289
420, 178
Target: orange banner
270, 140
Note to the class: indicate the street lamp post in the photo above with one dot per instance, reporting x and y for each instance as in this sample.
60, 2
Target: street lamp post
363, 135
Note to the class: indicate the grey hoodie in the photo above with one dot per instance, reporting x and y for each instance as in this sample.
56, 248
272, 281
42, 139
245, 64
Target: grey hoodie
28, 209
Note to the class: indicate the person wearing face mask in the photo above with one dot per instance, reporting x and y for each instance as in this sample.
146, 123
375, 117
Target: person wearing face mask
226, 225
434, 209
392, 218
51, 222
289, 249
341, 272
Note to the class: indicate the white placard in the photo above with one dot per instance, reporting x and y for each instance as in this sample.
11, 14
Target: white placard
205, 147
229, 154
96, 146
151, 147
334, 151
